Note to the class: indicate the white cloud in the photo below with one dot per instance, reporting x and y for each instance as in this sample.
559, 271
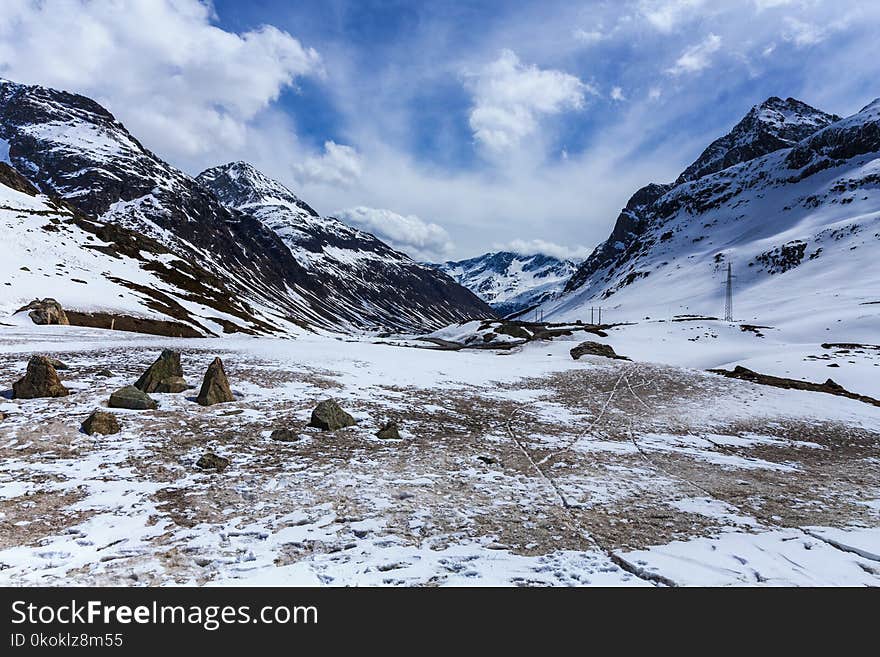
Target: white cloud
617, 94
182, 85
589, 37
421, 240
697, 57
510, 98
666, 15
802, 33
337, 165
532, 247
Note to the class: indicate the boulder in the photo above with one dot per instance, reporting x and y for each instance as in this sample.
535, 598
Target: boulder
389, 431
101, 422
595, 349
210, 461
165, 375
105, 373
41, 380
58, 365
132, 398
285, 435
215, 387
46, 311
328, 416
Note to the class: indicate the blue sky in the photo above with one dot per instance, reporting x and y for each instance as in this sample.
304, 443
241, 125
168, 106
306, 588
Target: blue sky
448, 128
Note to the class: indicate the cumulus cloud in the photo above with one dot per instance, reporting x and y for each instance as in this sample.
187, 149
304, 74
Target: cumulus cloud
510, 98
421, 240
181, 84
802, 33
543, 247
617, 94
666, 15
697, 57
338, 165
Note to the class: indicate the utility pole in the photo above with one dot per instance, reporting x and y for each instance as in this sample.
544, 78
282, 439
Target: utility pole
728, 296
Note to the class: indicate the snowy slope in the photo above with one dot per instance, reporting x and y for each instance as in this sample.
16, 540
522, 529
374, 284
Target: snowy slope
69, 146
799, 225
511, 282
365, 279
52, 251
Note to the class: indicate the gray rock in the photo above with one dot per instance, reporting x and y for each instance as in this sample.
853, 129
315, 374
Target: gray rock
210, 461
101, 422
595, 349
165, 375
285, 435
328, 416
389, 431
132, 398
215, 386
104, 373
46, 311
41, 380
57, 364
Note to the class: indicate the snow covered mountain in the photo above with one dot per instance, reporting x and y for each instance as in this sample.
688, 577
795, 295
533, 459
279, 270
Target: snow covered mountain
70, 147
363, 276
511, 282
800, 225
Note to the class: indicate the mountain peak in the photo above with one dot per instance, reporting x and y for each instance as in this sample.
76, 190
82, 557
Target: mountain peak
767, 127
240, 184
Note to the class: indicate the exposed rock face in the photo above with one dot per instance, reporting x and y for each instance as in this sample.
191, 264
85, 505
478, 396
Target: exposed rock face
328, 416
132, 398
389, 431
46, 311
165, 375
41, 380
285, 435
101, 422
210, 461
589, 348
215, 387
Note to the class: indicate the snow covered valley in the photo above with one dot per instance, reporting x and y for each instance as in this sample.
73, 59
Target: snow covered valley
514, 466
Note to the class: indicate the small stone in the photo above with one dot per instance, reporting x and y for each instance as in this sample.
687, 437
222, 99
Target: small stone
164, 375
101, 422
41, 380
285, 435
210, 461
215, 387
104, 373
328, 416
388, 431
132, 398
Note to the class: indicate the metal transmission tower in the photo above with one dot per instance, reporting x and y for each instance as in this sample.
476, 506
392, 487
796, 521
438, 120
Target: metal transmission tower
728, 296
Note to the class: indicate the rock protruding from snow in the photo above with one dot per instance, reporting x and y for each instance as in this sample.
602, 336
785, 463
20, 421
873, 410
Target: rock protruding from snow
329, 416
164, 375
210, 461
101, 422
590, 348
133, 399
389, 431
215, 386
41, 380
285, 435
46, 312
